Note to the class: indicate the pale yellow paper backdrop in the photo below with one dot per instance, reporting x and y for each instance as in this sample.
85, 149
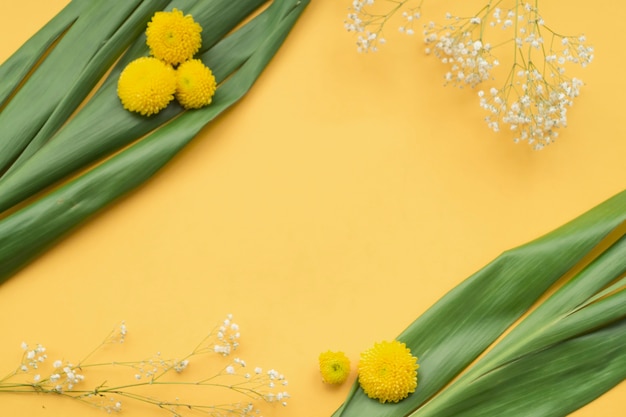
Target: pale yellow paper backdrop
340, 199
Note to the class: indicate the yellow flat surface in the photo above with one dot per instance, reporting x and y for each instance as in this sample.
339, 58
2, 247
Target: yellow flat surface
331, 207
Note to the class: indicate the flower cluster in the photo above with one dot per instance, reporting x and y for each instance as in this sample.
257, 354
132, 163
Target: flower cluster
461, 47
271, 380
32, 357
334, 367
387, 371
148, 84
70, 380
368, 22
227, 337
536, 93
173, 37
368, 26
195, 84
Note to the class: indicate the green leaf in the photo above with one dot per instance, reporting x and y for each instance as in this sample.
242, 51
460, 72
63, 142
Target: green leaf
20, 119
15, 69
102, 126
89, 77
451, 335
32, 229
549, 383
564, 317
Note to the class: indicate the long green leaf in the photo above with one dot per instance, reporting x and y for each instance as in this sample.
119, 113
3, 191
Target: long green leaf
20, 119
14, 70
565, 316
466, 321
549, 383
103, 126
93, 72
566, 313
29, 231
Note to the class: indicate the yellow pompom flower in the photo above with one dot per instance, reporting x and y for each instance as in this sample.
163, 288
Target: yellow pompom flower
146, 86
388, 372
195, 84
334, 367
173, 37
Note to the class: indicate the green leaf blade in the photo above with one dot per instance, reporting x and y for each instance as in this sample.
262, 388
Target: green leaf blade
466, 321
550, 383
20, 119
31, 230
17, 66
93, 72
102, 127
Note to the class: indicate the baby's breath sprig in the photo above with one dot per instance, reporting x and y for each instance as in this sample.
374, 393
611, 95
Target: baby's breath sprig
64, 378
368, 21
534, 99
536, 94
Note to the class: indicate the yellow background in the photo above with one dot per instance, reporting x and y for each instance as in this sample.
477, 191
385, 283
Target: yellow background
338, 201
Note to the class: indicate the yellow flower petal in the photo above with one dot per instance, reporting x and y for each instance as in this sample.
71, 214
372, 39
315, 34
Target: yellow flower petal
388, 372
334, 367
146, 86
195, 84
173, 37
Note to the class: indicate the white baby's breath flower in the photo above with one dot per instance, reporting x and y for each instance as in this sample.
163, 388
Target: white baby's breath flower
367, 22
533, 101
69, 379
180, 366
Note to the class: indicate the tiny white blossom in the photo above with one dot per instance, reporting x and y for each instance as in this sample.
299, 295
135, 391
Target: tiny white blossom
181, 366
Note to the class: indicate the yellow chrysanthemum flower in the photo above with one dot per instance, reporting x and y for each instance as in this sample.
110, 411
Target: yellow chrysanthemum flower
388, 371
146, 86
195, 84
334, 367
173, 37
